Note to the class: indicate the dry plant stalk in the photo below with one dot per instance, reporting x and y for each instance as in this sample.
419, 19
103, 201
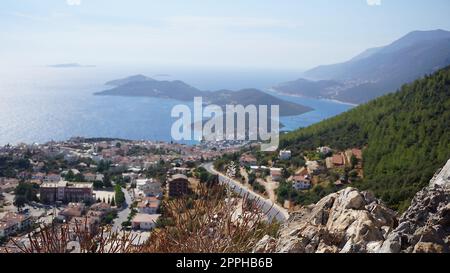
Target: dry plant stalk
210, 221
77, 239
215, 223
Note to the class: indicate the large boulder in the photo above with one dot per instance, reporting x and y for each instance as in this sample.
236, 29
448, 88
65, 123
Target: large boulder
351, 221
346, 221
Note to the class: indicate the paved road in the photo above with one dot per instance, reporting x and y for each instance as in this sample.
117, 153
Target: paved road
122, 216
274, 210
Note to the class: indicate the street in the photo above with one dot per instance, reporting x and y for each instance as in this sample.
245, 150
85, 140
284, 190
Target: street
274, 211
122, 215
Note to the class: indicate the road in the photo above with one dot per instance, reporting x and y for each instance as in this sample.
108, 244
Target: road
122, 216
274, 210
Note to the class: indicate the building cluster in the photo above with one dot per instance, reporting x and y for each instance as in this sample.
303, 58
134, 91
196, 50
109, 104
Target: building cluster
83, 218
12, 223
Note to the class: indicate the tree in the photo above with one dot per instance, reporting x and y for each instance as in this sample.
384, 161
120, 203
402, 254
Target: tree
70, 176
98, 185
26, 190
20, 201
107, 181
119, 196
251, 178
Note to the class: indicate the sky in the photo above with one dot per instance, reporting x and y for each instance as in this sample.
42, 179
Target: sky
288, 34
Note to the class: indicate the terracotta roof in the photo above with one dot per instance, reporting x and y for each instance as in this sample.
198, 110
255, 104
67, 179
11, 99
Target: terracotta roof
337, 159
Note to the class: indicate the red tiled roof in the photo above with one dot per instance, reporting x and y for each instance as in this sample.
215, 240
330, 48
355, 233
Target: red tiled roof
337, 160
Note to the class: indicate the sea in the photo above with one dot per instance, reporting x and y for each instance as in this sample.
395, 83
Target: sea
40, 103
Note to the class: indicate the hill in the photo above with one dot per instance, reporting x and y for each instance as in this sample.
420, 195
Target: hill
377, 71
141, 86
406, 136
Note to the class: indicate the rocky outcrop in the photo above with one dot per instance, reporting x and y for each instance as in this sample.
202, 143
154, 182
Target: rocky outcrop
347, 221
350, 221
425, 226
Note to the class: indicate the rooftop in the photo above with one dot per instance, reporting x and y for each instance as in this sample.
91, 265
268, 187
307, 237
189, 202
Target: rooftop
141, 217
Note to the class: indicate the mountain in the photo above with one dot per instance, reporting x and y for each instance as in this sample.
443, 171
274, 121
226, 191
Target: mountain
351, 221
141, 86
131, 79
405, 137
378, 71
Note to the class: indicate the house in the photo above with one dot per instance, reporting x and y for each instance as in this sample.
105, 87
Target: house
8, 184
149, 205
52, 178
144, 221
357, 153
72, 210
336, 161
64, 191
84, 224
148, 187
247, 160
90, 177
301, 183
106, 208
178, 185
276, 174
313, 167
285, 155
13, 222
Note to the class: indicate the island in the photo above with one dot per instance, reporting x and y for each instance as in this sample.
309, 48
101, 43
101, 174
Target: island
142, 86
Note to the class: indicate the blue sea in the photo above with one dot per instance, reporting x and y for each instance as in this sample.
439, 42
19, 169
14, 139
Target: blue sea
39, 104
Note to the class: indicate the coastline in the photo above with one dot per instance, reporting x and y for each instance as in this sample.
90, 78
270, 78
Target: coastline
271, 90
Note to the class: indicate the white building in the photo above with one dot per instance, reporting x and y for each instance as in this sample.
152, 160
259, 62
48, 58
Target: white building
285, 155
148, 187
324, 150
144, 221
301, 183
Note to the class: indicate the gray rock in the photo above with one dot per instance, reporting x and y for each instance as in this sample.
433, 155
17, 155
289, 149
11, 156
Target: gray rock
350, 221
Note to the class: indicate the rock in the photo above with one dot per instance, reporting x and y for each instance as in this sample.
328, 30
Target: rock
425, 225
351, 221
354, 200
265, 245
339, 222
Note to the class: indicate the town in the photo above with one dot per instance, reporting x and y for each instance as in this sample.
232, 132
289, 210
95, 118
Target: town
121, 185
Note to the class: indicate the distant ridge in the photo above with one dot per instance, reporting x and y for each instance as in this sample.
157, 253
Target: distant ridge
376, 71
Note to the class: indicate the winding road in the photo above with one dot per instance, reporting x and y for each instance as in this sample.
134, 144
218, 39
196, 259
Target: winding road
274, 211
122, 216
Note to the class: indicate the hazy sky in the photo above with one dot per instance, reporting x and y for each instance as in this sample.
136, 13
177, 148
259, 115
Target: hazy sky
246, 33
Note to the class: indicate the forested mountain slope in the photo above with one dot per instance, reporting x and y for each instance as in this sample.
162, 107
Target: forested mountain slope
406, 136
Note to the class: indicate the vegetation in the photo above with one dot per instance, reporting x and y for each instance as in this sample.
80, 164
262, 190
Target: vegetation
119, 196
205, 177
10, 166
109, 218
405, 135
25, 193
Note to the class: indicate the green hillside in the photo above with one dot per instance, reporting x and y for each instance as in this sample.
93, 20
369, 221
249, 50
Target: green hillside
406, 136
